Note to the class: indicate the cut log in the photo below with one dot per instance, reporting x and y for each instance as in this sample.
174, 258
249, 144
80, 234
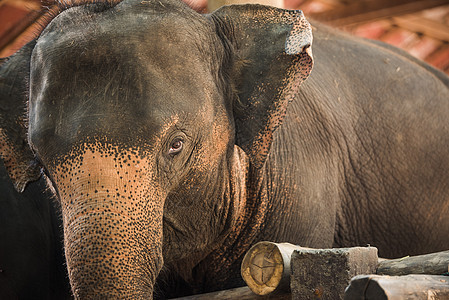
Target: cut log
412, 287
266, 267
325, 273
432, 264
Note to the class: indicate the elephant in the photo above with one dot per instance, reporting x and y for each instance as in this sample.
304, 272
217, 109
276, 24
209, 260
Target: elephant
174, 141
31, 245
31, 256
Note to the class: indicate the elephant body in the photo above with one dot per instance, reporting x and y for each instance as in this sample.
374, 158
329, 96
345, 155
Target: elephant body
174, 141
369, 128
31, 253
360, 157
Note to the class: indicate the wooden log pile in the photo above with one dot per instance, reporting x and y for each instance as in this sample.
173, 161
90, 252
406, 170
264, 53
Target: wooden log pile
286, 271
325, 273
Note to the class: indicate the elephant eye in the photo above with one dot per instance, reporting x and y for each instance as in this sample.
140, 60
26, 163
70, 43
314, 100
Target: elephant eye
176, 146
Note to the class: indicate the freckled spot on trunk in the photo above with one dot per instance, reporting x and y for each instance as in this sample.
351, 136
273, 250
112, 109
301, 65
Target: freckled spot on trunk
109, 231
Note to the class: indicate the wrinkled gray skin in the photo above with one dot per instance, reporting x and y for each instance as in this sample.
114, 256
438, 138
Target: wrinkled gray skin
31, 256
167, 138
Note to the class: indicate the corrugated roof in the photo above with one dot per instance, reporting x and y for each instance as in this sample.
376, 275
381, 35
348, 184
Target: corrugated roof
419, 27
17, 18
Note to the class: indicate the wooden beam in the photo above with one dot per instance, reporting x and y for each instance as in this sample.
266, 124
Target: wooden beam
242, 293
371, 10
14, 32
427, 27
325, 273
430, 264
332, 3
415, 287
23, 31
23, 4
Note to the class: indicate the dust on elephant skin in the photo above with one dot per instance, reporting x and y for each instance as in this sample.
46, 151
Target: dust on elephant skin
174, 141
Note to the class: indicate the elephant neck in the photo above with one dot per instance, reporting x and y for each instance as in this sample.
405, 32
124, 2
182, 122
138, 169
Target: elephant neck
251, 204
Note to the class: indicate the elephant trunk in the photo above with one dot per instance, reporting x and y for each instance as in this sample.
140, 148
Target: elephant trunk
112, 228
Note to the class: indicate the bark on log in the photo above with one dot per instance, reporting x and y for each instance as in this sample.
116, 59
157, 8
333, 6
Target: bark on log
266, 267
325, 273
411, 287
431, 264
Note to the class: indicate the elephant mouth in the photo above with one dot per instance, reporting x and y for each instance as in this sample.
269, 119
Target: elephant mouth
112, 218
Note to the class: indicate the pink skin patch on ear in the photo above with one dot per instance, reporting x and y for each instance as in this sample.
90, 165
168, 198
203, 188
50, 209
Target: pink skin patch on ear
300, 37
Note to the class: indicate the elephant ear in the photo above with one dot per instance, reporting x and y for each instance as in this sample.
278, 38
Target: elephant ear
272, 57
14, 148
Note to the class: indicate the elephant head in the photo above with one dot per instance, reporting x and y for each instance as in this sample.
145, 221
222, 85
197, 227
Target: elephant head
145, 118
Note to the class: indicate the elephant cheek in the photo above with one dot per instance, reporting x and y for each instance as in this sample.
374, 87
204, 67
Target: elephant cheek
112, 226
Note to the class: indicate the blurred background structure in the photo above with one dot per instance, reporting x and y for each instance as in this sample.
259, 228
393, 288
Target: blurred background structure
420, 27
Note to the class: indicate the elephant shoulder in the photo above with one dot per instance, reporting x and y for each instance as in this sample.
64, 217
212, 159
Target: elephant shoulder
397, 51
332, 47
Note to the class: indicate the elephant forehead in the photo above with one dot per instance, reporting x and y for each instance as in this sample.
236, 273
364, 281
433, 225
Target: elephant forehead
150, 26
124, 66
172, 56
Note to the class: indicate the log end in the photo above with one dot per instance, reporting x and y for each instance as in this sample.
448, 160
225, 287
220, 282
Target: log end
262, 268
